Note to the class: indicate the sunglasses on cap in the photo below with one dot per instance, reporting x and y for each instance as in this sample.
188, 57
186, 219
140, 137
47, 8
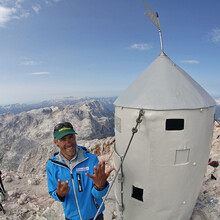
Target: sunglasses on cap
63, 129
63, 125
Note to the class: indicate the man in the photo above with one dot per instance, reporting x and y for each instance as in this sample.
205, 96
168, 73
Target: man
75, 177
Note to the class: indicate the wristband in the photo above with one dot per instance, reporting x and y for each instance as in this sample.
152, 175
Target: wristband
101, 188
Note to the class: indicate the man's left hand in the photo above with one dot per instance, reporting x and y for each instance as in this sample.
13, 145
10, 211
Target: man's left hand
100, 176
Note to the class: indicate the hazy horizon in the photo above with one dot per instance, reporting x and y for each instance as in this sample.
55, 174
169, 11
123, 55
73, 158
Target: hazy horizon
66, 97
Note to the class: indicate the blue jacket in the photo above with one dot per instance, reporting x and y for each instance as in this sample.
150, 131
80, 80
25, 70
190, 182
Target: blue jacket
83, 199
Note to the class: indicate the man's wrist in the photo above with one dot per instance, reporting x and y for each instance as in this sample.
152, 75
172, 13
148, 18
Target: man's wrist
102, 187
61, 198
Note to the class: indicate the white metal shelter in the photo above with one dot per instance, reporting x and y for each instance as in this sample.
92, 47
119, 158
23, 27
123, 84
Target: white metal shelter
164, 168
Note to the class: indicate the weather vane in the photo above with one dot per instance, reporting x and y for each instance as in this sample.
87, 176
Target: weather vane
154, 18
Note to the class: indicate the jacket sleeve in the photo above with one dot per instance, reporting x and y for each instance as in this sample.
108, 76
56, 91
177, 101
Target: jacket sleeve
99, 194
52, 182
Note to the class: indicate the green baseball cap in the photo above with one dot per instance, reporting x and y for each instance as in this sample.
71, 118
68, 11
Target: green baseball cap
62, 130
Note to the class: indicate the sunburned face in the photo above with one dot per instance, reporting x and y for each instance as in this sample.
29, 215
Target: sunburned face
67, 145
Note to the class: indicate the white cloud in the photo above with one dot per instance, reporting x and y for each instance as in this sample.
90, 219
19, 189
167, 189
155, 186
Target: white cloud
23, 14
26, 61
51, 2
36, 8
6, 14
215, 35
29, 63
40, 73
18, 3
48, 2
10, 10
190, 61
140, 46
19, 9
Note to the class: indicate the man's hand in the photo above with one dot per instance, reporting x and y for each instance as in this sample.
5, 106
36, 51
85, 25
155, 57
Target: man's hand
62, 188
100, 176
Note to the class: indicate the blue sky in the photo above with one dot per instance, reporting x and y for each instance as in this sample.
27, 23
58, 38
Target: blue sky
59, 48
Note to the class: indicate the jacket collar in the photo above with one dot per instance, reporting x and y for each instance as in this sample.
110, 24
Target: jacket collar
81, 155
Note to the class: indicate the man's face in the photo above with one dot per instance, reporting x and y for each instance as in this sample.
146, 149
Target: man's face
67, 145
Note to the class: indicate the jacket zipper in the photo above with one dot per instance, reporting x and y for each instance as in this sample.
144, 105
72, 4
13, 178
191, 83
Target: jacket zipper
96, 204
74, 190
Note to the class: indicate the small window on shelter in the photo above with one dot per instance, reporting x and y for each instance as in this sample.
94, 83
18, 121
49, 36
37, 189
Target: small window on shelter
174, 124
137, 193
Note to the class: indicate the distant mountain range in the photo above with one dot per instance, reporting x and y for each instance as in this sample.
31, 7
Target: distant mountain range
107, 102
18, 108
29, 134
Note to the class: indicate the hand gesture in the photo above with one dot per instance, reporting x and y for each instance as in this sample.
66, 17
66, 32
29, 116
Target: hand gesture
62, 188
100, 176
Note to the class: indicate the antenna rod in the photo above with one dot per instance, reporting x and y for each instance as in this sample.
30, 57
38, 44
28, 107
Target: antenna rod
160, 34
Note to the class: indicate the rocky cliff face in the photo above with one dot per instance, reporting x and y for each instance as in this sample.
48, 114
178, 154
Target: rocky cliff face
28, 135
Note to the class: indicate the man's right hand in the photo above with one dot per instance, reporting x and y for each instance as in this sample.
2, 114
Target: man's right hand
62, 188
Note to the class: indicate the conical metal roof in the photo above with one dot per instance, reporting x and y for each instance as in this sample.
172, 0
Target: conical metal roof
164, 86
